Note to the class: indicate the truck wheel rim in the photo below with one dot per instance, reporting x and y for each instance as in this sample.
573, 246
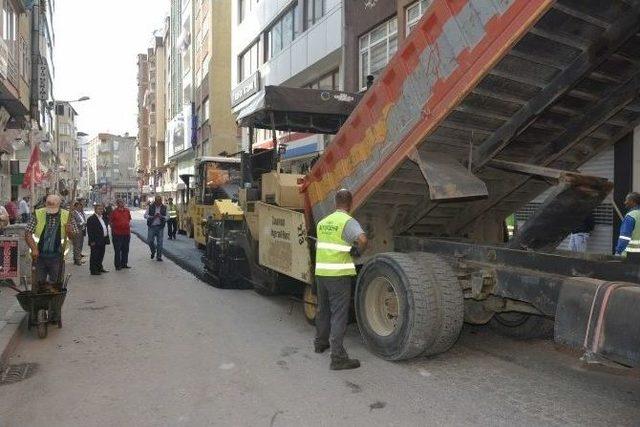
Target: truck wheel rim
382, 306
310, 303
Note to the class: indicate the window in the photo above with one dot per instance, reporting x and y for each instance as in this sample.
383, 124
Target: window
282, 32
9, 22
415, 12
330, 81
205, 110
314, 11
376, 49
248, 61
244, 7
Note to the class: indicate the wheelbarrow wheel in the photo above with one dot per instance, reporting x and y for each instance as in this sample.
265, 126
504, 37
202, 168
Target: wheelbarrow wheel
42, 323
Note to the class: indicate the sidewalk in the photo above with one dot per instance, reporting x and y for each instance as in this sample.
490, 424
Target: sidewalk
11, 316
182, 251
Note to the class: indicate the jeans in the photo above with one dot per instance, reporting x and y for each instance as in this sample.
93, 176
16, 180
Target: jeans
578, 242
172, 227
154, 237
334, 298
121, 250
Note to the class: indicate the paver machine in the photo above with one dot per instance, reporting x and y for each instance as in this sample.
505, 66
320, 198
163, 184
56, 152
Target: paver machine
486, 104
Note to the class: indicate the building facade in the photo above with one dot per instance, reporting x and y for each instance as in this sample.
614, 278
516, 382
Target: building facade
143, 153
67, 150
26, 92
112, 167
297, 43
187, 95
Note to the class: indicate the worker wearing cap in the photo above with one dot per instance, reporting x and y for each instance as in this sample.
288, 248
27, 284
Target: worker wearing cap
172, 222
46, 235
339, 238
629, 240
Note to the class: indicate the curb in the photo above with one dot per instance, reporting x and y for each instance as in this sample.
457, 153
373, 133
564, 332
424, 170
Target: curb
10, 331
199, 273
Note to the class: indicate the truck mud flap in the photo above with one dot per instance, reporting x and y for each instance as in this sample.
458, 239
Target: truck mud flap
601, 318
447, 178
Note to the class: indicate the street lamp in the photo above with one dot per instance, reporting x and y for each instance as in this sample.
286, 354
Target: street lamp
54, 105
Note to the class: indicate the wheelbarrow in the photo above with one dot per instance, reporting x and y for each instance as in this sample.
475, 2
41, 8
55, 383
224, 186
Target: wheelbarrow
43, 302
44, 306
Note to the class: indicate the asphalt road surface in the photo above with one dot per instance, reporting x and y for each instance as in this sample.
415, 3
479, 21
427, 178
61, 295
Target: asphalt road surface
154, 346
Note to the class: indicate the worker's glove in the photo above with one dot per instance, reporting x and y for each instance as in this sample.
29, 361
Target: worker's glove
355, 251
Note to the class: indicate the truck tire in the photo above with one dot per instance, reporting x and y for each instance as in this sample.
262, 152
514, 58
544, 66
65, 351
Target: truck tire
399, 306
451, 301
309, 305
522, 326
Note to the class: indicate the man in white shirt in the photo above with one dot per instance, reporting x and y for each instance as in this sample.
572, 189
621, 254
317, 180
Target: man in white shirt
98, 237
24, 210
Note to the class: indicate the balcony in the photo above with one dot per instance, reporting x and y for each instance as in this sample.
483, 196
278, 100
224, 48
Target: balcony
9, 70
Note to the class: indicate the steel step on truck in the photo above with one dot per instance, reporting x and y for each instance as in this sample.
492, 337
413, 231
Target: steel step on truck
486, 105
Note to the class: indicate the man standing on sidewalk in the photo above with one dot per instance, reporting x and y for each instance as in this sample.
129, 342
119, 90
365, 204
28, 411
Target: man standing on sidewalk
172, 223
78, 239
24, 209
339, 238
121, 232
98, 236
156, 217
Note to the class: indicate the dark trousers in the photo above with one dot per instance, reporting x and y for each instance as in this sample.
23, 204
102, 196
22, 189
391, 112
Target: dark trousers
334, 298
96, 258
172, 227
78, 243
48, 269
121, 250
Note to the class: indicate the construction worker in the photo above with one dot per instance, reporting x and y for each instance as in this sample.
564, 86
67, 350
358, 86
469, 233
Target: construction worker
46, 235
172, 223
339, 238
629, 240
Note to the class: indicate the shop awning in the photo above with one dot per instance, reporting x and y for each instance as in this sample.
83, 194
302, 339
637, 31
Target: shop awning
298, 110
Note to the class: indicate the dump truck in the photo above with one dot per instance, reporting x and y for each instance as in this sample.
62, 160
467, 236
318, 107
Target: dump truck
486, 105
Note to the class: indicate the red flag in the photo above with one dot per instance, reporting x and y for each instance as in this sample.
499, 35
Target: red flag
33, 169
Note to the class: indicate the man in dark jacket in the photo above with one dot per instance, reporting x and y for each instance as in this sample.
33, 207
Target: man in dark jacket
98, 237
156, 217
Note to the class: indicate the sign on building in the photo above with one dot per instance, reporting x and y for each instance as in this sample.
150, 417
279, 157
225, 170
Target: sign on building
245, 89
43, 81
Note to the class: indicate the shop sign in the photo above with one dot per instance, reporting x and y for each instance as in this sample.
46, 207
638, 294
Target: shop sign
245, 89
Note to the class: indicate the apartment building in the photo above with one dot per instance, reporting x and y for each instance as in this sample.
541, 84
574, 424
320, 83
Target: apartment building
216, 131
112, 167
297, 43
26, 91
187, 89
143, 153
179, 108
67, 149
153, 106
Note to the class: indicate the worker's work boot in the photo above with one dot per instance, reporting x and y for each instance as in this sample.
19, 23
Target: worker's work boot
321, 348
343, 363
